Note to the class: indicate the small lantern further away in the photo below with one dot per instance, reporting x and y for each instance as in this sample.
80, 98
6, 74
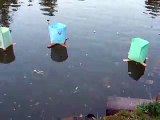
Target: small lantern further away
57, 33
138, 50
5, 37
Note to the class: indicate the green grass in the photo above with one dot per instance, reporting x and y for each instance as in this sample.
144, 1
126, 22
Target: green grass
149, 111
153, 109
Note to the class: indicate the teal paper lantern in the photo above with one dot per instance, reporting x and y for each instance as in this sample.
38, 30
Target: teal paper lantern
138, 50
5, 38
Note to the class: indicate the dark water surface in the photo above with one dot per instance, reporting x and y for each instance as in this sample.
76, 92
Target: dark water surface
39, 85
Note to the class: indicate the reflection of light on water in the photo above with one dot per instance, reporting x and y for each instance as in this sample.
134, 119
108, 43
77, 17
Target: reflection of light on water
153, 7
7, 8
48, 7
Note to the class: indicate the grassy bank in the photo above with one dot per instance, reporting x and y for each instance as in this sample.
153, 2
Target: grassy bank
149, 111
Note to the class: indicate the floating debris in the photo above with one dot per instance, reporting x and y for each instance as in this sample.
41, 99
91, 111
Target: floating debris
149, 82
129, 73
31, 100
19, 106
123, 91
31, 83
86, 54
50, 98
37, 103
38, 72
108, 86
68, 76
71, 66
76, 90
25, 77
107, 83
30, 105
151, 74
80, 115
28, 116
85, 105
4, 94
94, 31
1, 102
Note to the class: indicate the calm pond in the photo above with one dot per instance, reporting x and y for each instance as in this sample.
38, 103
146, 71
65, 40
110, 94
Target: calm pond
36, 84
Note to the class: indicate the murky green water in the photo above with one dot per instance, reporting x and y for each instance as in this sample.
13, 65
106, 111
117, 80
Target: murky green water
36, 87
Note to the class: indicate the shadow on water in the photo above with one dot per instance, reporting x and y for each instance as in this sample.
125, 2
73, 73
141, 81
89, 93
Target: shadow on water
48, 7
135, 70
59, 53
153, 7
7, 56
7, 8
